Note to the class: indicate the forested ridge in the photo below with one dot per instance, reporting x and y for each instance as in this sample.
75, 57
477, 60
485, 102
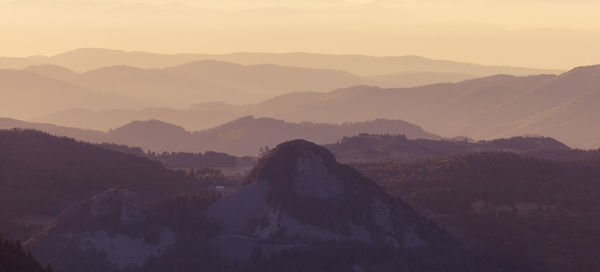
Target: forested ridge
207, 159
389, 147
42, 174
527, 214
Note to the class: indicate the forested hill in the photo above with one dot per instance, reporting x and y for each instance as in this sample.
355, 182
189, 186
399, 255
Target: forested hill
41, 175
368, 147
247, 135
208, 159
528, 214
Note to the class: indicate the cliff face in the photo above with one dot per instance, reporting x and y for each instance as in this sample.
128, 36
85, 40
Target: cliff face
313, 179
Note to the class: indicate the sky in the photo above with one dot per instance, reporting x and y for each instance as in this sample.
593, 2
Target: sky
535, 33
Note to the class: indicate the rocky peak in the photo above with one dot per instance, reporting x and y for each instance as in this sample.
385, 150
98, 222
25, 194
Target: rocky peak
306, 168
299, 190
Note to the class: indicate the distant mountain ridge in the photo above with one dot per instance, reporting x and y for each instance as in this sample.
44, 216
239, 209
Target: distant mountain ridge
562, 107
247, 135
558, 106
202, 81
27, 95
243, 136
85, 59
210, 80
176, 81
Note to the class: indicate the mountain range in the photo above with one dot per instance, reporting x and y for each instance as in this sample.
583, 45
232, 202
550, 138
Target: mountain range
202, 81
85, 59
210, 80
26, 95
142, 79
558, 106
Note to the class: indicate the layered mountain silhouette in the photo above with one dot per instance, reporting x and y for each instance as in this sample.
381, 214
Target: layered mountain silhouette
298, 210
206, 116
244, 136
176, 81
26, 95
86, 59
205, 80
209, 80
560, 106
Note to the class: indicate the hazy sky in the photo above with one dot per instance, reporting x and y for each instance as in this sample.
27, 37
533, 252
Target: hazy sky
540, 33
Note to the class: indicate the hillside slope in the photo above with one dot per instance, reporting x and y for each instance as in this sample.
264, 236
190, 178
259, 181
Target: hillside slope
42, 174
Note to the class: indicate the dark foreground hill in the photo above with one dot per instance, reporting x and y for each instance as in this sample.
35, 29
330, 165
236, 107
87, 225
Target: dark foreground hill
41, 175
13, 258
526, 213
299, 210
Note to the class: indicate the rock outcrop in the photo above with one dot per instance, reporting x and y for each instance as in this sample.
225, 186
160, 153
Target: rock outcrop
298, 194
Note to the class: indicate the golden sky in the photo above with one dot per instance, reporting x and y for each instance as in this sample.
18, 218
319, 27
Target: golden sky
537, 33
